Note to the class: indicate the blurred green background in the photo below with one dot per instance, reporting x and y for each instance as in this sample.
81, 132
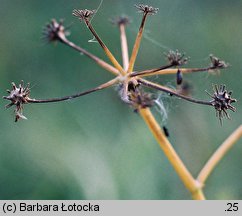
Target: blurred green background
96, 147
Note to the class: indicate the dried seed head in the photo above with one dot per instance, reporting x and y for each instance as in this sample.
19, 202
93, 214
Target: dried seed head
135, 96
216, 63
54, 31
146, 9
18, 96
83, 14
176, 58
121, 20
222, 101
140, 99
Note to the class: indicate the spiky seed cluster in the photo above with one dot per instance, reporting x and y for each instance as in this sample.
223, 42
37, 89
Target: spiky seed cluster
136, 97
217, 63
176, 58
54, 31
146, 9
141, 99
18, 96
83, 14
222, 101
121, 20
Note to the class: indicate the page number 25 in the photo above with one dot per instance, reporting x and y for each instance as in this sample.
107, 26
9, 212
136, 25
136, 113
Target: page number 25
232, 207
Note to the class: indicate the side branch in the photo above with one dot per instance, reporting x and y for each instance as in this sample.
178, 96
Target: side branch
219, 154
124, 47
106, 50
137, 44
51, 100
151, 72
164, 70
55, 31
99, 61
171, 92
177, 59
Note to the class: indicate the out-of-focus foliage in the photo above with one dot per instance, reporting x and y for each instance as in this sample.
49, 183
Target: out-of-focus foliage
95, 147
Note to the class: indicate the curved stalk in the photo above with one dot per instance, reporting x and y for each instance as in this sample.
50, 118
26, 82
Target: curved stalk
219, 154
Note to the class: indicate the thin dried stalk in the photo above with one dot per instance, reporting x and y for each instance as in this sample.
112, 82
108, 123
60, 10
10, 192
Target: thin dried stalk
219, 154
163, 71
105, 48
172, 92
124, 47
137, 44
99, 61
52, 100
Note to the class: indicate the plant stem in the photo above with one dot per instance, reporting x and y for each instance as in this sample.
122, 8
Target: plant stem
99, 61
170, 91
51, 100
219, 154
124, 47
190, 183
106, 50
137, 44
162, 71
150, 72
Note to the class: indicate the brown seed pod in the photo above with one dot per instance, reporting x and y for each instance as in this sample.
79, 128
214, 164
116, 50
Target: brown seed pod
146, 9
222, 101
18, 97
54, 31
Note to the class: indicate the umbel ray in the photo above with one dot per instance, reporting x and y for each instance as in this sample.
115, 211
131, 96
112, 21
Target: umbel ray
131, 82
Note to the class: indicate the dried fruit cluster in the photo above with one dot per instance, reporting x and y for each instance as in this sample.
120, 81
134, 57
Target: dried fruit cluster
131, 83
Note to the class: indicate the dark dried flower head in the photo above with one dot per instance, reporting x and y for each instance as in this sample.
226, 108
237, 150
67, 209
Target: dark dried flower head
83, 14
217, 63
176, 58
18, 96
141, 99
54, 31
222, 101
136, 97
121, 20
146, 9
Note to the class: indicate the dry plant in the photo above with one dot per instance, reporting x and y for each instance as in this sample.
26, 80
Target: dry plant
133, 89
